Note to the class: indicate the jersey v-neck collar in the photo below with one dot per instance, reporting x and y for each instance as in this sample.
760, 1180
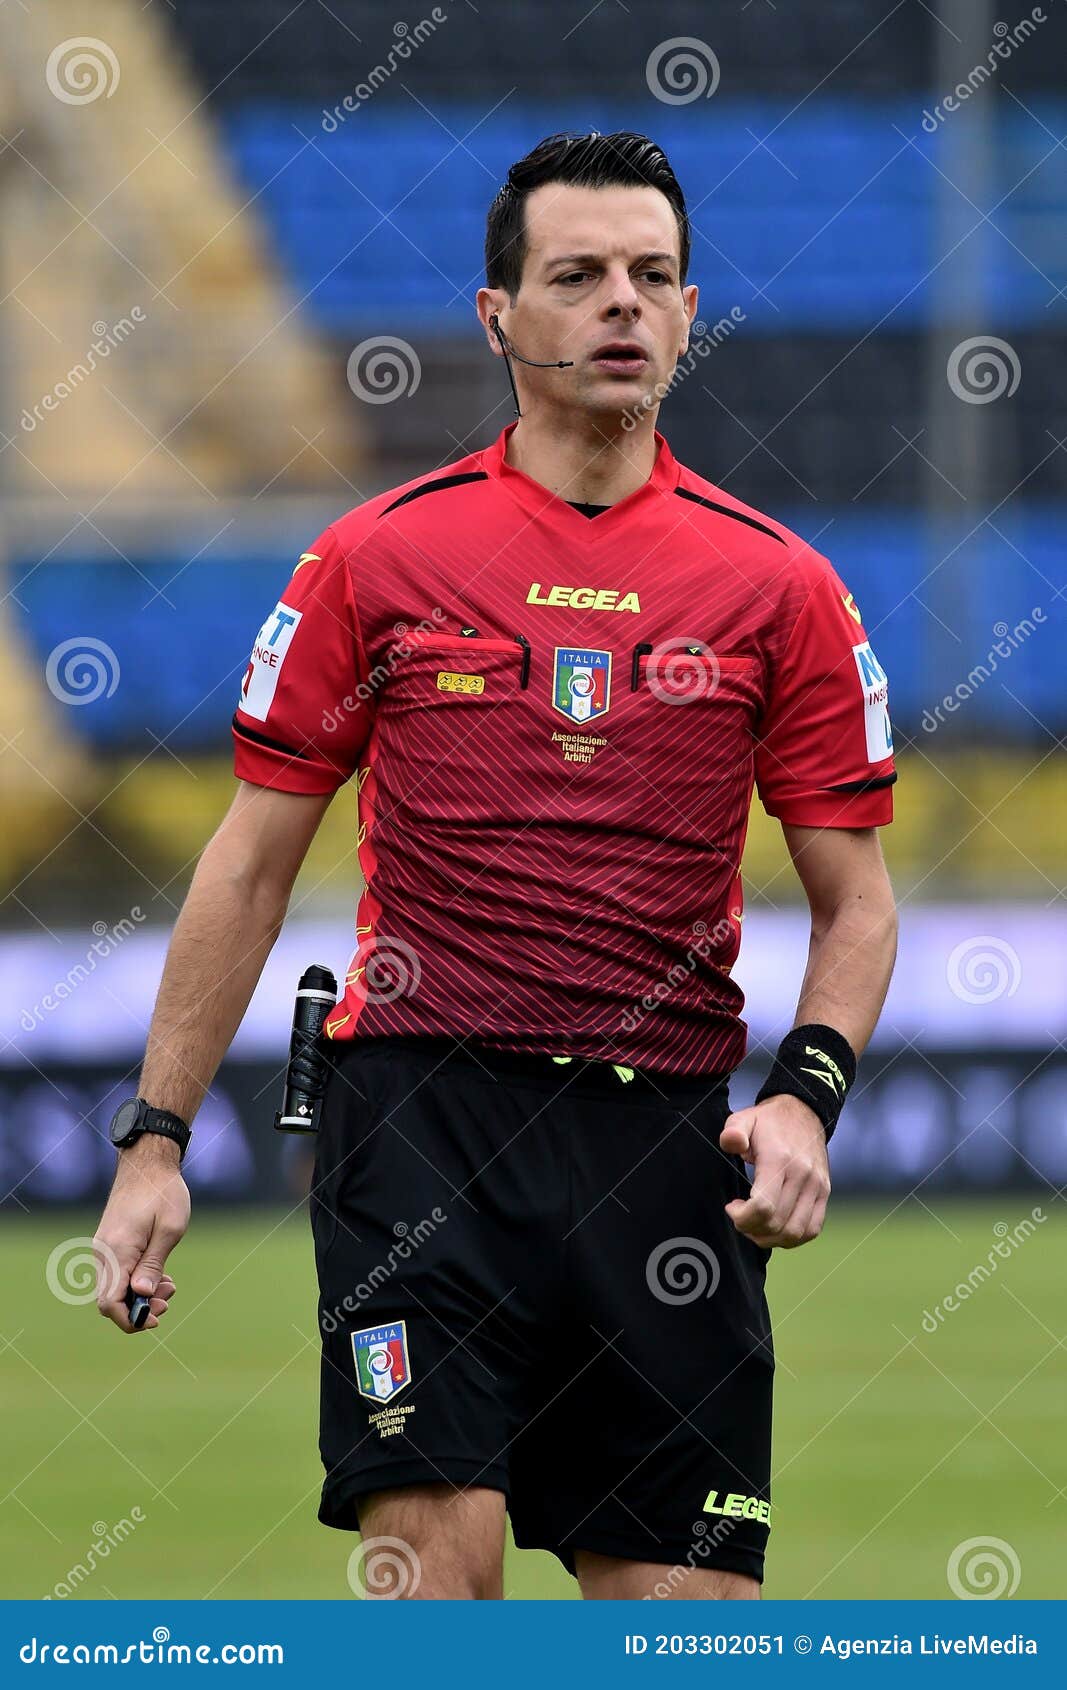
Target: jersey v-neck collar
539, 501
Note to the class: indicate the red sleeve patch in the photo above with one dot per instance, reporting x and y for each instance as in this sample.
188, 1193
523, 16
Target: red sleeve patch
304, 711
824, 757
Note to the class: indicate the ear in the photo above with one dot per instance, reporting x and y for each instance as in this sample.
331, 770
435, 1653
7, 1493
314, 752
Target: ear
490, 302
690, 296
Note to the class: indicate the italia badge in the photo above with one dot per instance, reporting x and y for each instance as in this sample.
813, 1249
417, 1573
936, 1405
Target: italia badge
581, 683
382, 1365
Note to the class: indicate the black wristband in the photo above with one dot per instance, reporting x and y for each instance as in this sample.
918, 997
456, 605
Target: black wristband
816, 1064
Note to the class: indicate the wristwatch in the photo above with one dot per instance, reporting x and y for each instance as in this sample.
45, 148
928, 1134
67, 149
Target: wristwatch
135, 1117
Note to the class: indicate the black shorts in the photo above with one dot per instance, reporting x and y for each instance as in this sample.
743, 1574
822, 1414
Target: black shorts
528, 1281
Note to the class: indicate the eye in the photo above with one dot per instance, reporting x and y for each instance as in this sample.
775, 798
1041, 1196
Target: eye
659, 278
573, 278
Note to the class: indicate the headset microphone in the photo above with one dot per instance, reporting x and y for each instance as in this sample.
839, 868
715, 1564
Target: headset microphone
510, 352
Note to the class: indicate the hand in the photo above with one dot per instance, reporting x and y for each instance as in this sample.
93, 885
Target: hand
146, 1216
785, 1141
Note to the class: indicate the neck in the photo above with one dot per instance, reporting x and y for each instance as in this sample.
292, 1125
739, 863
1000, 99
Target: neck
590, 462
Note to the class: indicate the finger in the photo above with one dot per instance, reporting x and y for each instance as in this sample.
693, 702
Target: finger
766, 1216
114, 1260
793, 1226
795, 1201
818, 1214
736, 1135
800, 1216
150, 1270
755, 1213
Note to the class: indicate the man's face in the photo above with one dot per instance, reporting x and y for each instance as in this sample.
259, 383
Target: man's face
601, 287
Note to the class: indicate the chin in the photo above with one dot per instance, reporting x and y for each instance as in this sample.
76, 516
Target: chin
612, 395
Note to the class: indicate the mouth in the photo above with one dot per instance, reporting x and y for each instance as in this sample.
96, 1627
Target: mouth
620, 357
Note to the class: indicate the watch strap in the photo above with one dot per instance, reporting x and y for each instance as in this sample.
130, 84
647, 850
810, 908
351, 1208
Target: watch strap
148, 1119
165, 1125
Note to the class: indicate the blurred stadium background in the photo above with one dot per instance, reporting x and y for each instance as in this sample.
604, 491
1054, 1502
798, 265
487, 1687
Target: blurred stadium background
218, 222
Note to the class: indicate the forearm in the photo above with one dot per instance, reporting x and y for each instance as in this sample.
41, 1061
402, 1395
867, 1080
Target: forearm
850, 964
221, 940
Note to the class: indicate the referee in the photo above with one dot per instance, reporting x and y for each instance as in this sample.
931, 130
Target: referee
554, 671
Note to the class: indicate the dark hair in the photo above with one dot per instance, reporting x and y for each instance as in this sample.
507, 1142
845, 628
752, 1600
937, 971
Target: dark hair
624, 160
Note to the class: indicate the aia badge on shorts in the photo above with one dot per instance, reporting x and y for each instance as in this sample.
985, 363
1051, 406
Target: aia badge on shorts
581, 683
382, 1364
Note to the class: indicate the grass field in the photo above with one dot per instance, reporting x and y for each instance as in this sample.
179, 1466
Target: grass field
894, 1443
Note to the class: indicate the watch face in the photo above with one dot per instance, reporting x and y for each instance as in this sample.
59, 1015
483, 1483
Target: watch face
124, 1120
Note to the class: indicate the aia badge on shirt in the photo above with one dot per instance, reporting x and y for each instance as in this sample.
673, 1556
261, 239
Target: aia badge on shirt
382, 1365
581, 683
875, 684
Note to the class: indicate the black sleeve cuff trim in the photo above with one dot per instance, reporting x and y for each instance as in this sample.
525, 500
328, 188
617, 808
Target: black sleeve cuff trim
265, 740
853, 786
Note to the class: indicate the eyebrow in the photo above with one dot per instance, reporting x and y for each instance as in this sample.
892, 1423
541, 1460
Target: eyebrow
592, 258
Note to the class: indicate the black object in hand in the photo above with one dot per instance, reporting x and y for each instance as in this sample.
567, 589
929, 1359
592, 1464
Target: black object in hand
138, 1307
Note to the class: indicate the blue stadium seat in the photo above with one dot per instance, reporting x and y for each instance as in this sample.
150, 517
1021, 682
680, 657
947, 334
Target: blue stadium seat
841, 215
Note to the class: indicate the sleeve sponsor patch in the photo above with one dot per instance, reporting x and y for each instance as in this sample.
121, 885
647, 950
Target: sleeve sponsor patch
265, 664
875, 685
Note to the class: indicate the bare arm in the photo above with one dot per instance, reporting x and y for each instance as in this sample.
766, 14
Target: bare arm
227, 926
850, 962
853, 928
226, 929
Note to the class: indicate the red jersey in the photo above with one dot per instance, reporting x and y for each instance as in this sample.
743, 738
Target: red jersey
555, 723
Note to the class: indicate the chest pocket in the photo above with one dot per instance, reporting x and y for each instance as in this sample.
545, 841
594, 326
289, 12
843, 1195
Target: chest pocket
436, 669
690, 672
446, 712
696, 712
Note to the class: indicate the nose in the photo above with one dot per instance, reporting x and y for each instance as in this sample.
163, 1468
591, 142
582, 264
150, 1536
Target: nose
622, 298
